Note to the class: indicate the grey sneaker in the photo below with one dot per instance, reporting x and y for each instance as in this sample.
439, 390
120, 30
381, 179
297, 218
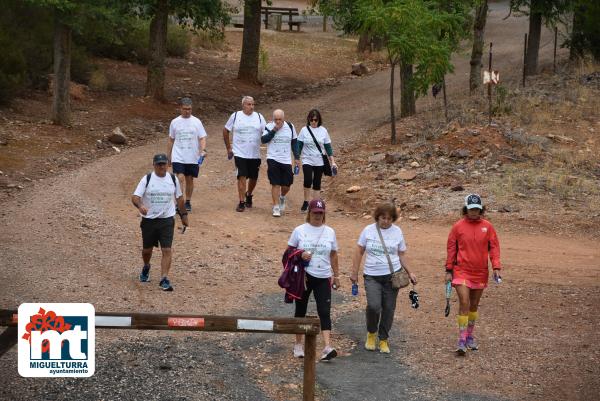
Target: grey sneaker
298, 351
282, 204
276, 211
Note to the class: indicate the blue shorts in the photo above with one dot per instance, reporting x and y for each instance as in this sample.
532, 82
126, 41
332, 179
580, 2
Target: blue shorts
186, 169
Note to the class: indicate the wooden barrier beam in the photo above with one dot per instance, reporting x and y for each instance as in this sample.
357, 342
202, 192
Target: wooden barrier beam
163, 321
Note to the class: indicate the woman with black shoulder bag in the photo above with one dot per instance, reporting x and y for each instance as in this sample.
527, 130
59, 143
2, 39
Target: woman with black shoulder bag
385, 272
314, 145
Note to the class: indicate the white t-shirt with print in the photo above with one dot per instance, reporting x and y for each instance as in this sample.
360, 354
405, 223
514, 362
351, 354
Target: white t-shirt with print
310, 153
376, 263
247, 131
320, 241
158, 196
187, 133
280, 147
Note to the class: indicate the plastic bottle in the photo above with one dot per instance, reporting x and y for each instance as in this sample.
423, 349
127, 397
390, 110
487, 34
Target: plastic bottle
354, 289
200, 160
333, 171
296, 170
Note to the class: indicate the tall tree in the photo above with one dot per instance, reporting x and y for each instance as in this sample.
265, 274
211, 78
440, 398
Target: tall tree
479, 22
210, 15
586, 30
69, 15
248, 70
419, 36
539, 11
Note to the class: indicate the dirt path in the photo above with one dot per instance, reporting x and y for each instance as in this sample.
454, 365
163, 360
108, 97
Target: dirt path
75, 237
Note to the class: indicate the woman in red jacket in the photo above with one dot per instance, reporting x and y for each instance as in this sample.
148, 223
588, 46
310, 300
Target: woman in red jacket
471, 242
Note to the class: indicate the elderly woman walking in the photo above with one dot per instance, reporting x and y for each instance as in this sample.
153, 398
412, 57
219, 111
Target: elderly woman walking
376, 240
320, 253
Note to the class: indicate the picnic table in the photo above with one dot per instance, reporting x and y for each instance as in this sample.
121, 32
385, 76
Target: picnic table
290, 12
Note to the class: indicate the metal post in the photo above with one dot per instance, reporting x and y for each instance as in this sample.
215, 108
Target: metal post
524, 58
324, 22
490, 87
310, 359
555, 41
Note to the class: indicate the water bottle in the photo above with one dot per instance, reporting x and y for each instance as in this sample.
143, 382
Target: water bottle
296, 170
354, 289
498, 279
200, 160
333, 171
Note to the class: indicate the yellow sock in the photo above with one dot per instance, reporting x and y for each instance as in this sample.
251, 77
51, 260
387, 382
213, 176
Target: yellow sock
462, 320
473, 316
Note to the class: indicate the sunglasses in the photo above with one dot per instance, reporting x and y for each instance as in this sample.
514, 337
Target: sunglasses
314, 119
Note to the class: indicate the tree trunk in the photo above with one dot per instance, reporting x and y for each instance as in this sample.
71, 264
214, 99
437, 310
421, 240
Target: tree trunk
478, 42
155, 80
392, 107
577, 41
369, 43
533, 41
251, 42
61, 102
407, 93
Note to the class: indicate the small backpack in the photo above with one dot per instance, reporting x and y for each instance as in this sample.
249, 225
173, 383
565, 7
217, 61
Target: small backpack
149, 175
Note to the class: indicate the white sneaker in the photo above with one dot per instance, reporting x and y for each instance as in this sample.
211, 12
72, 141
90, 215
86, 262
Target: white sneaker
298, 351
328, 354
282, 203
276, 211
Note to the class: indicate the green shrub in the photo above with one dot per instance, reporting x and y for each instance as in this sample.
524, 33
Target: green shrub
178, 41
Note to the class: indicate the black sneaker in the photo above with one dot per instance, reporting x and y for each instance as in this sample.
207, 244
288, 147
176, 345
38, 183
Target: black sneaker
165, 284
188, 205
304, 207
240, 207
248, 200
145, 274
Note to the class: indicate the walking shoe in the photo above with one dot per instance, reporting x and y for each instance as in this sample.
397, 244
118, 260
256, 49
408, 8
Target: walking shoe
248, 200
461, 349
371, 342
282, 204
188, 205
240, 207
276, 211
304, 207
298, 351
472, 344
165, 284
145, 274
384, 346
328, 354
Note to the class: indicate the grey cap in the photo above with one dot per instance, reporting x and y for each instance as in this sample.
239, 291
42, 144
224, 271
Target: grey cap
160, 158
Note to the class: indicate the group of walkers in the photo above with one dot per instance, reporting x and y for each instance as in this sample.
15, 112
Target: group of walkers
312, 247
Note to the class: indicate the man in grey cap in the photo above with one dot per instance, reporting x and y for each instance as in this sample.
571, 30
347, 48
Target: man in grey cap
154, 198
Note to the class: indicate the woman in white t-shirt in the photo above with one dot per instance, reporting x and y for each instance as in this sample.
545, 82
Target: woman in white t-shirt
381, 297
312, 157
320, 256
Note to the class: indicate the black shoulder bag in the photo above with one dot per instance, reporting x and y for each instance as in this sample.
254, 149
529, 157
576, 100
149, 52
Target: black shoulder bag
326, 164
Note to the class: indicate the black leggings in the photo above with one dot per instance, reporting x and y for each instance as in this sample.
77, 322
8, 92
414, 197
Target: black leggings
312, 176
322, 290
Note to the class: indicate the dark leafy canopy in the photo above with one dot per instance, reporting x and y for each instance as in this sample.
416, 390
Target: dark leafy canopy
551, 10
415, 32
208, 15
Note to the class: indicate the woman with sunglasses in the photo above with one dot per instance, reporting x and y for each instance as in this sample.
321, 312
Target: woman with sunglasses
312, 158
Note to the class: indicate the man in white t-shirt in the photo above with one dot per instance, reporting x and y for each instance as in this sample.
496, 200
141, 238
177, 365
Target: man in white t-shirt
247, 127
155, 197
281, 138
187, 148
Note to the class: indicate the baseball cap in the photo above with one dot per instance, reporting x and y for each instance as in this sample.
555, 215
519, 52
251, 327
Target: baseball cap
316, 205
473, 201
160, 158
